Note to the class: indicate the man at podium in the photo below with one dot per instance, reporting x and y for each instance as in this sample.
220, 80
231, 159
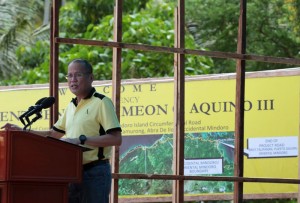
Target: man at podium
89, 120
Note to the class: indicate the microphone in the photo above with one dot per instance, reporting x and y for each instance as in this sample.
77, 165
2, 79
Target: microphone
30, 109
45, 103
40, 100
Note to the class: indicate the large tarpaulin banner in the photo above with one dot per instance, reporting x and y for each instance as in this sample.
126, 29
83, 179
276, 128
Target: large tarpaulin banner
271, 129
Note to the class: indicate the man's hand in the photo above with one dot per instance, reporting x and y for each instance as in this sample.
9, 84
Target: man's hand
9, 126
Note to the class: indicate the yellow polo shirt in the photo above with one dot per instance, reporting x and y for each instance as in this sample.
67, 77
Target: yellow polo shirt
93, 116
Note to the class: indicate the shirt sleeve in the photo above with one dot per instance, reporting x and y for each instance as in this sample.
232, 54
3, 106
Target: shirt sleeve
107, 116
60, 124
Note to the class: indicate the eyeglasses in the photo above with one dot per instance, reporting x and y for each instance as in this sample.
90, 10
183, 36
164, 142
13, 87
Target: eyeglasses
75, 75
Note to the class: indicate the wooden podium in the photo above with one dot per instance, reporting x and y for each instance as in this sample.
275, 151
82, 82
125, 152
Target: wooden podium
35, 169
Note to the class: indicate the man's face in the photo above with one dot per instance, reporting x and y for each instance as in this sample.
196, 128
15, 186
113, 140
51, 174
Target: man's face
79, 80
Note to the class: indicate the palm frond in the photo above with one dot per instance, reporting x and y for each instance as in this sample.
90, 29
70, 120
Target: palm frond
19, 18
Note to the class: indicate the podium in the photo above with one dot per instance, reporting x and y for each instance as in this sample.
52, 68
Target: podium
37, 169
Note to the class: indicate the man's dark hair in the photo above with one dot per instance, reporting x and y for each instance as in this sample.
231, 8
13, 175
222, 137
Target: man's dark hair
85, 63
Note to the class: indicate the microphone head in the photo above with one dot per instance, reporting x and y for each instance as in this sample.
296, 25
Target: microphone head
46, 103
40, 100
31, 108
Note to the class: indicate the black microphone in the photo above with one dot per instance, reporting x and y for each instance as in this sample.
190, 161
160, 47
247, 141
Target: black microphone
40, 100
30, 109
45, 103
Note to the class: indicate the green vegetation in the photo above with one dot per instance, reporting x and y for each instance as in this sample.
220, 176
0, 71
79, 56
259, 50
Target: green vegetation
24, 42
272, 29
148, 23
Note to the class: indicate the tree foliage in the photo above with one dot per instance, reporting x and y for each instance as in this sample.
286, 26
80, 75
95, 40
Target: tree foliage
19, 19
152, 24
272, 29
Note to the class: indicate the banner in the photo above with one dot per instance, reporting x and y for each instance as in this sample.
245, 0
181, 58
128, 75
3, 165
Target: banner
147, 119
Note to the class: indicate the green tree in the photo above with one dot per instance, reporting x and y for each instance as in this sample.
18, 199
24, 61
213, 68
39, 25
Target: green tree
94, 10
19, 20
272, 29
152, 25
213, 26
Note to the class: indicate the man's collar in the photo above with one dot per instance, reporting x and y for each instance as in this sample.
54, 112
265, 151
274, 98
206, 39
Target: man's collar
93, 90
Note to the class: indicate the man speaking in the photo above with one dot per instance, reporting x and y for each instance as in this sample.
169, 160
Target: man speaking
89, 120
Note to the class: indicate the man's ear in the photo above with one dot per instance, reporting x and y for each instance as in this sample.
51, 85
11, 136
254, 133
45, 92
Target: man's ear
92, 77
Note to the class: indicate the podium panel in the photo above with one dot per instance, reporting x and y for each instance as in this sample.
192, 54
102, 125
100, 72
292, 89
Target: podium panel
2, 156
3, 193
37, 169
26, 156
20, 192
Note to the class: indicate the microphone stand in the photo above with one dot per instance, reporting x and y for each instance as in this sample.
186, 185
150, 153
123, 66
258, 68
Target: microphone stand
38, 116
24, 114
